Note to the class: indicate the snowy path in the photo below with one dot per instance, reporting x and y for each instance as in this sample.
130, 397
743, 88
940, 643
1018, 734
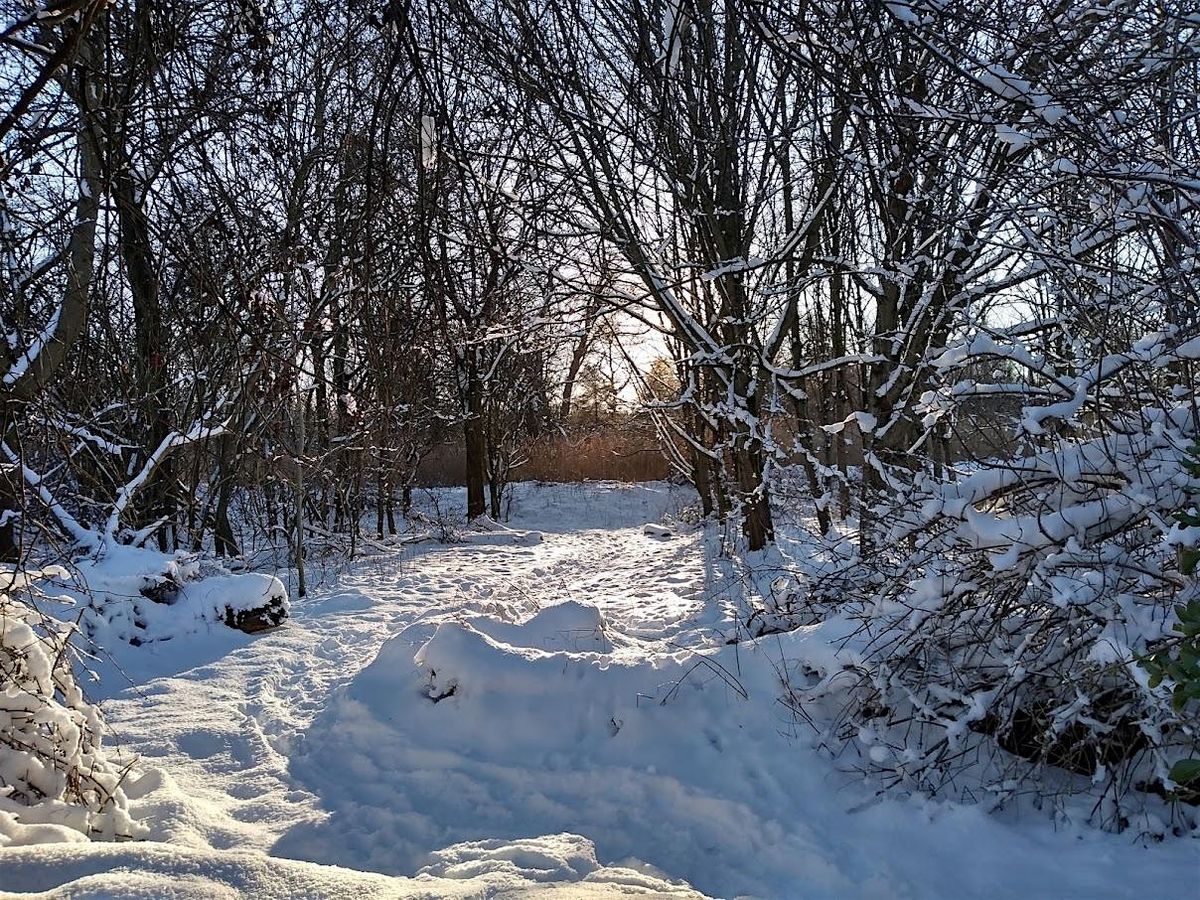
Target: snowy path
515, 693
237, 734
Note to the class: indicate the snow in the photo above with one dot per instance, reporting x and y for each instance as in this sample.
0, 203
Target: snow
57, 782
198, 432
903, 11
194, 597
552, 866
866, 423
429, 142
1016, 140
486, 530
517, 718
27, 359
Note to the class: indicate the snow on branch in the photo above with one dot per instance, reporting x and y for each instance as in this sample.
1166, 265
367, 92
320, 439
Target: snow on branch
170, 443
23, 363
84, 537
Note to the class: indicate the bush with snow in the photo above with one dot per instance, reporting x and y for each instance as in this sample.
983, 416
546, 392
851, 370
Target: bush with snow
56, 783
1015, 615
1006, 612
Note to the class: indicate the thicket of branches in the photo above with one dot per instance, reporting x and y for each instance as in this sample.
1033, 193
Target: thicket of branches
937, 258
239, 255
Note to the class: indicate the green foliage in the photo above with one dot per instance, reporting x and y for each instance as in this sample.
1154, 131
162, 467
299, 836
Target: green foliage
1186, 771
1180, 661
1189, 557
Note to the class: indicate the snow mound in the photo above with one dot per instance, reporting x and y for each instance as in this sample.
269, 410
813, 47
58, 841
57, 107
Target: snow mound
486, 530
560, 857
15, 833
478, 734
552, 859
251, 601
485, 869
565, 626
139, 596
653, 529
464, 662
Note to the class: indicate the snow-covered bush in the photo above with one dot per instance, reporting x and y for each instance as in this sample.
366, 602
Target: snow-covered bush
1176, 660
1018, 606
1010, 613
55, 778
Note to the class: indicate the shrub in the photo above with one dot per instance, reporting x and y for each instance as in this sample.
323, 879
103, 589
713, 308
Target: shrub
53, 770
1015, 610
1177, 659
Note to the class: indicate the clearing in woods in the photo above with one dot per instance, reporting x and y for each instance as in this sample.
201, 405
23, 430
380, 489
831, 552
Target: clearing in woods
547, 708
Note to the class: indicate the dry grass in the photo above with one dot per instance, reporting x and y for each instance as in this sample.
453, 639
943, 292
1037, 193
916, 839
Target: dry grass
610, 455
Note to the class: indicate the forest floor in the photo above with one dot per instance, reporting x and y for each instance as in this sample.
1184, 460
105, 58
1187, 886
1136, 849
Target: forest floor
548, 709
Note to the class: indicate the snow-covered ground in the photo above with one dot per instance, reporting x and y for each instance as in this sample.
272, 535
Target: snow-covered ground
550, 710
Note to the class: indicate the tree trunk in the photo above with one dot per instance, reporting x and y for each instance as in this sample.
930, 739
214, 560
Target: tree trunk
753, 496
495, 494
150, 338
11, 493
475, 442
298, 501
578, 355
223, 537
43, 364
702, 481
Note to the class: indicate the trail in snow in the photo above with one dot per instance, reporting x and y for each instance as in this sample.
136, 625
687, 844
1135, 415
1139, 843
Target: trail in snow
227, 730
465, 710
